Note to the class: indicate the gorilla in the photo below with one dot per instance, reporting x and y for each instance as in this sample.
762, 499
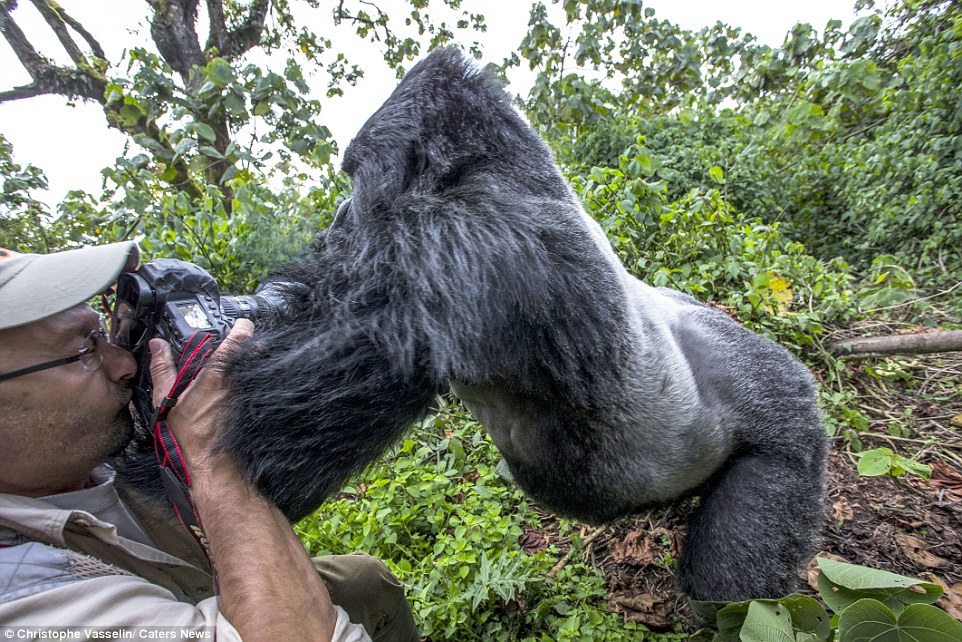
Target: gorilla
463, 262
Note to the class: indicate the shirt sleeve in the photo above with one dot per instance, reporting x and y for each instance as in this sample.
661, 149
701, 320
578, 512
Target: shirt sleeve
133, 604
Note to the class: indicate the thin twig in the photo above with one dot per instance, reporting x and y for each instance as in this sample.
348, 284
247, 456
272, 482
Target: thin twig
914, 301
571, 551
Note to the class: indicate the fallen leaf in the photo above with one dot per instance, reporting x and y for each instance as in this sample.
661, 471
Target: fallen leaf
533, 542
810, 574
946, 477
639, 548
956, 421
951, 600
916, 549
645, 608
842, 511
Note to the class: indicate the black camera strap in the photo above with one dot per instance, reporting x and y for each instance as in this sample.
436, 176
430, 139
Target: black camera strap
173, 467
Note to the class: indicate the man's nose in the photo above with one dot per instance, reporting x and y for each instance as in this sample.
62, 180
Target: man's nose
118, 363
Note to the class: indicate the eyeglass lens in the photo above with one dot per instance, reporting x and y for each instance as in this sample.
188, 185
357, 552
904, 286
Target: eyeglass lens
92, 353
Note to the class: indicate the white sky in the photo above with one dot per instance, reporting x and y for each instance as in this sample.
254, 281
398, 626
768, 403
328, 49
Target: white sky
72, 144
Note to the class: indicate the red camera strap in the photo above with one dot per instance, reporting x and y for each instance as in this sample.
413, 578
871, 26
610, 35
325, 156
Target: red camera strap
173, 467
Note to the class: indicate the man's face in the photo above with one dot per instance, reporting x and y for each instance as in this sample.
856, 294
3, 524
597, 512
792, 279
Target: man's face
59, 424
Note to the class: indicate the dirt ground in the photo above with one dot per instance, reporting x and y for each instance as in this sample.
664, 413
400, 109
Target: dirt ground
906, 525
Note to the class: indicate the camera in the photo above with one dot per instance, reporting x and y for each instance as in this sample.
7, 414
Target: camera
172, 300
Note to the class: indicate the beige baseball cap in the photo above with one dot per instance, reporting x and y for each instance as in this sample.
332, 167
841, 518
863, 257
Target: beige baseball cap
36, 286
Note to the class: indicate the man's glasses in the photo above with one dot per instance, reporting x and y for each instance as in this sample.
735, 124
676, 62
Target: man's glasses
90, 355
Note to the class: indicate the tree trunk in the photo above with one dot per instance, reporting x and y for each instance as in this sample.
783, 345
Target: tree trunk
948, 341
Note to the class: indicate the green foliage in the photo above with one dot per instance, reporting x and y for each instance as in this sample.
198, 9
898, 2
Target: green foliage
444, 521
699, 244
850, 138
869, 604
24, 220
237, 241
883, 461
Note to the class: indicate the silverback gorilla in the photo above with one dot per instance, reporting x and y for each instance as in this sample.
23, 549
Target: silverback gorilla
464, 262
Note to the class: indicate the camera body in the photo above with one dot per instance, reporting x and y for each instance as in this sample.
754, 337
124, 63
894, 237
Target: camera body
172, 300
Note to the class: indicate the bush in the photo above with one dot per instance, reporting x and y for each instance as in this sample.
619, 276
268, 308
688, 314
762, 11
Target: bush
700, 245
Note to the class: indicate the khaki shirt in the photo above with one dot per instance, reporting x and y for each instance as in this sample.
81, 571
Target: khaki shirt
68, 568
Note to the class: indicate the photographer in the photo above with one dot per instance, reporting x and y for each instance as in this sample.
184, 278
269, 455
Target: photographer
79, 549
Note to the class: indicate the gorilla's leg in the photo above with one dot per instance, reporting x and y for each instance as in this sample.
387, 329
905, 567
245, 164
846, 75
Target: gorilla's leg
755, 521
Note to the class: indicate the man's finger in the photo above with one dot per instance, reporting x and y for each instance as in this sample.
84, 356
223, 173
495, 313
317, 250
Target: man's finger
242, 330
162, 370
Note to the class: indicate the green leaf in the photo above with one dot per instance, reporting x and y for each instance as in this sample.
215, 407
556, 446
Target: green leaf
717, 174
205, 131
841, 585
207, 150
767, 623
914, 467
805, 612
871, 621
878, 461
131, 114
220, 72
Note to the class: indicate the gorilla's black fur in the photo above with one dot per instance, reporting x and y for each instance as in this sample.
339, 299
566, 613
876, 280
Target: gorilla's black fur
464, 261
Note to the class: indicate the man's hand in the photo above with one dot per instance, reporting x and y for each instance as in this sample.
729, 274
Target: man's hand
269, 589
195, 420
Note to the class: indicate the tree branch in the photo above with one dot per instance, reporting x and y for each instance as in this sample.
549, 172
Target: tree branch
19, 93
79, 28
48, 9
930, 342
47, 78
248, 34
217, 38
172, 29
31, 60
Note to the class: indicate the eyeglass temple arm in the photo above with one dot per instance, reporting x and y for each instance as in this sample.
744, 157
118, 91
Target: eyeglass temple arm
39, 367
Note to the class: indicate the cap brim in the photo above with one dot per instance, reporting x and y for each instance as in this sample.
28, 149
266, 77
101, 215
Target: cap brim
47, 284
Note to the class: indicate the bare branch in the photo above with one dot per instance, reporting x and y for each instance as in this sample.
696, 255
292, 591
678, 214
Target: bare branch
340, 13
31, 60
49, 12
927, 343
79, 28
172, 27
47, 77
248, 34
24, 91
217, 38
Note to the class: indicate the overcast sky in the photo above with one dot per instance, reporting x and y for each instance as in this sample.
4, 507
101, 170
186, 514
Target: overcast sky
72, 144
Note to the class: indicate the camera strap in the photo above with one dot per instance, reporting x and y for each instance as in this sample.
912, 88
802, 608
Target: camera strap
173, 467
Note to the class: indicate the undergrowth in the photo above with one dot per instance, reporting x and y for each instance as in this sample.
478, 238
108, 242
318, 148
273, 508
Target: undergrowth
438, 513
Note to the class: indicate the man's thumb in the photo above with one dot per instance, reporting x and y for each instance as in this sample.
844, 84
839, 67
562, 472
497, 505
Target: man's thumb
162, 370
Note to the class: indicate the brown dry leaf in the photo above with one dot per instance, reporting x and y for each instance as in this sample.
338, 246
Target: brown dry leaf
639, 548
951, 600
810, 574
842, 511
915, 548
533, 542
646, 608
946, 477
